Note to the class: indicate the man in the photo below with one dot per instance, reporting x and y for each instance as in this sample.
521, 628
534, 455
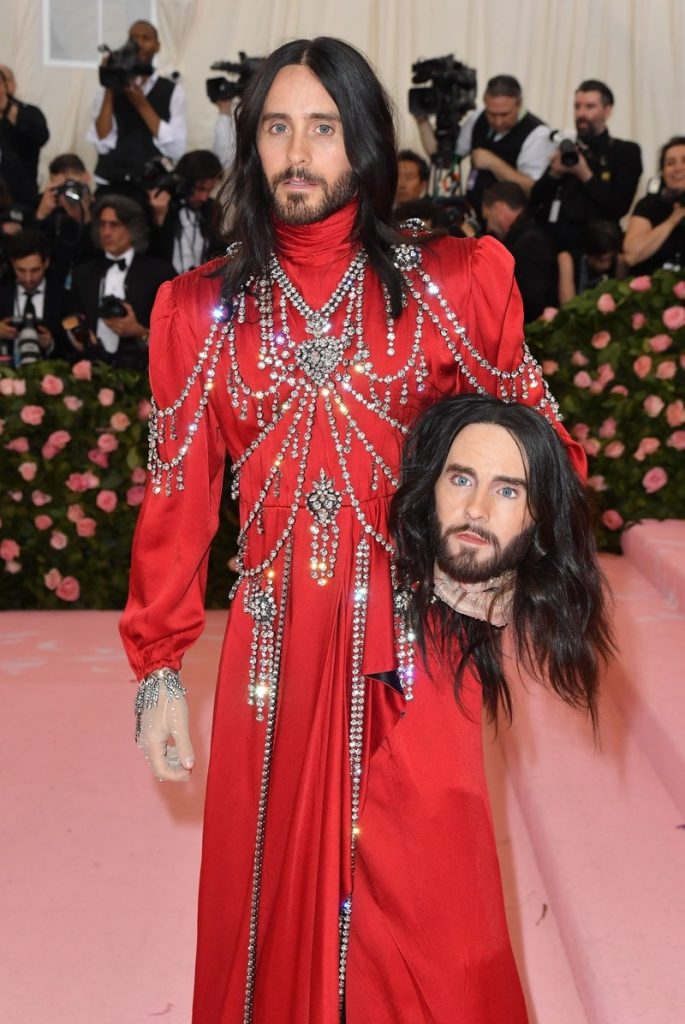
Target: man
144, 120
595, 180
115, 292
64, 215
412, 177
304, 356
35, 296
185, 233
23, 133
504, 141
506, 217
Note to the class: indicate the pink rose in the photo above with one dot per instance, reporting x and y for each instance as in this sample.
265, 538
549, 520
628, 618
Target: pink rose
76, 482
90, 479
660, 342
40, 498
69, 589
28, 470
119, 421
106, 501
15, 495
653, 405
591, 446
135, 495
580, 431
72, 403
605, 303
642, 366
647, 446
608, 428
582, 379
641, 284
578, 359
19, 387
58, 540
144, 409
601, 339
86, 527
597, 483
620, 389
605, 374
9, 549
6, 386
674, 317
675, 413
637, 321
677, 440
654, 479
679, 289
612, 519
74, 513
32, 415
548, 314
59, 438
52, 579
106, 396
43, 522
51, 385
19, 444
82, 370
107, 443
12, 566
48, 451
666, 370
614, 450
99, 458
549, 366
138, 476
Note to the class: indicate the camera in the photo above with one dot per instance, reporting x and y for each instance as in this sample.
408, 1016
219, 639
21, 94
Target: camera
450, 95
225, 88
72, 190
111, 308
156, 178
122, 66
26, 346
76, 329
570, 147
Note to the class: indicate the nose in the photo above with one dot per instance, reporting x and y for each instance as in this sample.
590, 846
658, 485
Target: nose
477, 506
298, 148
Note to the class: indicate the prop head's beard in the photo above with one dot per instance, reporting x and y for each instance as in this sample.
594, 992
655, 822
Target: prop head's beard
465, 566
296, 208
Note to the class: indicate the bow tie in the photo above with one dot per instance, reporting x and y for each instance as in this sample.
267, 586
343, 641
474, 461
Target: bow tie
110, 261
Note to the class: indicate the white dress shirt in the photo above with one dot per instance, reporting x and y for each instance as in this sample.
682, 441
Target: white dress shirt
189, 245
113, 283
38, 297
534, 155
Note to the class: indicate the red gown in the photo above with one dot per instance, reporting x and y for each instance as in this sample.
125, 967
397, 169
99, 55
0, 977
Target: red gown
336, 747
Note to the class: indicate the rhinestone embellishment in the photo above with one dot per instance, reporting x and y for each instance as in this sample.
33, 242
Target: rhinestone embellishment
318, 357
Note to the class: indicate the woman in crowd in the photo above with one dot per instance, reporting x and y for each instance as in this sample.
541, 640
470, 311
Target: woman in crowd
656, 230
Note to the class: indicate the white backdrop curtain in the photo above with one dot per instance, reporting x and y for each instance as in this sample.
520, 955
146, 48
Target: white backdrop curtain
636, 46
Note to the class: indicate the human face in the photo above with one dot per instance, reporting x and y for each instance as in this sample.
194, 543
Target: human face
481, 504
202, 190
302, 149
409, 184
10, 81
145, 38
30, 270
115, 238
591, 113
673, 170
502, 112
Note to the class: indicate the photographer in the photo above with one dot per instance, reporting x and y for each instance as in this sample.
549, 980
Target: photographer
504, 141
184, 232
35, 300
23, 132
64, 215
143, 119
594, 180
115, 293
413, 174
656, 230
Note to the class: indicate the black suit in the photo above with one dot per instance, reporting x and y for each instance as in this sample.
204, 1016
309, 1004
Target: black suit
143, 278
20, 146
55, 307
535, 266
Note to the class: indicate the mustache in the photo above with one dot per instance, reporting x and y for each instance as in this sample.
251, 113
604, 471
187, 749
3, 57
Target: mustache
478, 531
296, 174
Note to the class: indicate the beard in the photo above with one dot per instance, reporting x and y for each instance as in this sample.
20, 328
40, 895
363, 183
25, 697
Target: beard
585, 130
297, 209
466, 567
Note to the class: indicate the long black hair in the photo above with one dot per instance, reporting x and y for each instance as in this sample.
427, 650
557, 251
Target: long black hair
560, 619
369, 134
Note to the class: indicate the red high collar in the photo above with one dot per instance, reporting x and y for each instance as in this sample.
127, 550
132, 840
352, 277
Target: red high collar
315, 256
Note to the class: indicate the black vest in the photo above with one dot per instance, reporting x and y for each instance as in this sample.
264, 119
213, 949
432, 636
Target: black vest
507, 148
134, 142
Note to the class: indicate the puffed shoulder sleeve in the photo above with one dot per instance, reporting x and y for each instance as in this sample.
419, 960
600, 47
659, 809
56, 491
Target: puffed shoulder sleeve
179, 516
495, 314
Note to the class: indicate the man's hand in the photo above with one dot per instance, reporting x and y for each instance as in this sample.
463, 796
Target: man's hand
581, 169
7, 331
48, 202
159, 200
168, 720
127, 326
484, 159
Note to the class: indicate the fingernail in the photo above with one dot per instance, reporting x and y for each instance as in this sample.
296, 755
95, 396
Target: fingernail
188, 764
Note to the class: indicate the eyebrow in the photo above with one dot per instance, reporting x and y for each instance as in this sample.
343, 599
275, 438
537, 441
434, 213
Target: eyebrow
326, 116
516, 481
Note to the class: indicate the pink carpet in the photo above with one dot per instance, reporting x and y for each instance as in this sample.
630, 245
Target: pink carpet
98, 886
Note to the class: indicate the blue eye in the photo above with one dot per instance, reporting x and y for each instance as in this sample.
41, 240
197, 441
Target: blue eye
460, 480
508, 492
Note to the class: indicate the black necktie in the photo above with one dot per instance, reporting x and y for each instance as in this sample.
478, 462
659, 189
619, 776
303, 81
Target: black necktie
112, 262
29, 308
